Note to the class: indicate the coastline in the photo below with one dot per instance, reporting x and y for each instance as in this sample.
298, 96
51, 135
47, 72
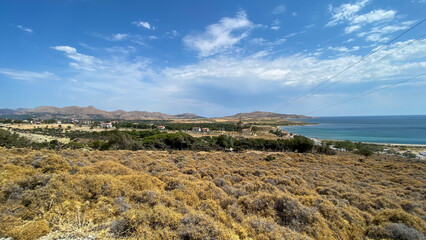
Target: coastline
377, 143
391, 131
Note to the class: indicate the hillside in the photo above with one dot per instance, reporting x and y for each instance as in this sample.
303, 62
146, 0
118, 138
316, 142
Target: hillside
258, 115
78, 194
90, 112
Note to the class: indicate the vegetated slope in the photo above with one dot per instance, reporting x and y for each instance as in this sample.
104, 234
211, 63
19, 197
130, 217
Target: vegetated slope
196, 195
90, 112
258, 115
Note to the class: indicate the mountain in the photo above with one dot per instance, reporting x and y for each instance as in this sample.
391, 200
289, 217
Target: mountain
258, 115
6, 111
90, 112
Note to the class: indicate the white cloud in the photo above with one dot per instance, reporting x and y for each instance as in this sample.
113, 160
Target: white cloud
275, 24
345, 12
29, 30
377, 20
220, 36
377, 34
172, 34
261, 73
279, 9
348, 13
27, 75
373, 16
119, 36
144, 25
352, 28
80, 61
183, 87
344, 49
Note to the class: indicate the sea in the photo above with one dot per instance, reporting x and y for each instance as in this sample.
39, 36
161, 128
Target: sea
372, 129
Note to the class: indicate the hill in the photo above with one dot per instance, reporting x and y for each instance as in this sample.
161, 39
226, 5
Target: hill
90, 112
258, 115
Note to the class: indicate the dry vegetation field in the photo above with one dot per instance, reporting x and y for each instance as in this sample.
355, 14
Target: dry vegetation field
198, 195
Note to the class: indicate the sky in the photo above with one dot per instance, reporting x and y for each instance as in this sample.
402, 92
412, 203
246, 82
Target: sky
215, 58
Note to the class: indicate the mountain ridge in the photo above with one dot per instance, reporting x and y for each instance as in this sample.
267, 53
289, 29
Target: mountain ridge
90, 112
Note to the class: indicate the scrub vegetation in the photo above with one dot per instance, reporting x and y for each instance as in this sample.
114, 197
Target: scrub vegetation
60, 194
158, 140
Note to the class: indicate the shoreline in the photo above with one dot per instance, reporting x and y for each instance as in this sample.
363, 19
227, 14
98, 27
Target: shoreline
377, 143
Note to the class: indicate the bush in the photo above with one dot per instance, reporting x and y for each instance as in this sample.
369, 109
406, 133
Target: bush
325, 149
195, 226
398, 231
300, 144
9, 140
75, 145
364, 151
348, 145
293, 214
269, 158
32, 230
409, 154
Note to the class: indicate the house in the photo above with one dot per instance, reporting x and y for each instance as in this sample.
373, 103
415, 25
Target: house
196, 129
106, 125
285, 134
245, 131
87, 122
161, 127
205, 130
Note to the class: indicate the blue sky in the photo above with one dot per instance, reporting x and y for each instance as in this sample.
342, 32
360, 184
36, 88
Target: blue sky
213, 58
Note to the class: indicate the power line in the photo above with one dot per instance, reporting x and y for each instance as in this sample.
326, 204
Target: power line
362, 59
365, 94
411, 42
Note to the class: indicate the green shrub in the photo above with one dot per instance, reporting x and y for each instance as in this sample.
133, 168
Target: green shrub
325, 149
348, 145
409, 154
300, 144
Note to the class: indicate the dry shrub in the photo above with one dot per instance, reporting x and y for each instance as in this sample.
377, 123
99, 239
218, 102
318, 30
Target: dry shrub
51, 163
215, 195
398, 231
399, 216
30, 230
197, 226
107, 167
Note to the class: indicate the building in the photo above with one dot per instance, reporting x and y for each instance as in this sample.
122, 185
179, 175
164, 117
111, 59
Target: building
106, 125
196, 129
285, 134
246, 131
205, 130
161, 127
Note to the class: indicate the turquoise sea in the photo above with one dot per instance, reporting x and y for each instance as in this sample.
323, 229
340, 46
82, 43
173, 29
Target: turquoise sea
374, 129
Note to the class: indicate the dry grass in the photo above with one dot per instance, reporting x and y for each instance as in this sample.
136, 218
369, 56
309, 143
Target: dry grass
189, 195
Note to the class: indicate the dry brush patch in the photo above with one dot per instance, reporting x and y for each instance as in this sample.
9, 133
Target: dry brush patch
198, 195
